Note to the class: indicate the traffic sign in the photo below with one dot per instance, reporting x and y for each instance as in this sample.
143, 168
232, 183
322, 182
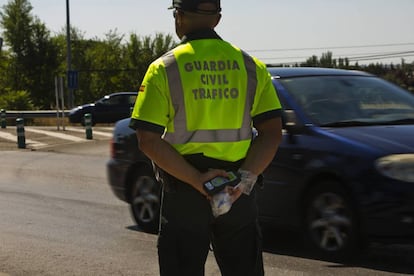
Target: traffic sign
73, 77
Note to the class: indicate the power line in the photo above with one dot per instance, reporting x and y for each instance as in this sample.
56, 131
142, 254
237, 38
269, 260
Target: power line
352, 56
374, 57
334, 47
357, 58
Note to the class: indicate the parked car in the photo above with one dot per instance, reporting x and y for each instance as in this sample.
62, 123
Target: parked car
109, 109
343, 174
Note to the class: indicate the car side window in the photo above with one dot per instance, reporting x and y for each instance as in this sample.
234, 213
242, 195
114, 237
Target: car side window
114, 100
132, 99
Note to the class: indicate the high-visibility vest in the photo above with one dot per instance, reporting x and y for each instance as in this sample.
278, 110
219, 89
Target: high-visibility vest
206, 93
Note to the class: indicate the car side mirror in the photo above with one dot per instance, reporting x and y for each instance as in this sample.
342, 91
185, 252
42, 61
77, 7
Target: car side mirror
290, 122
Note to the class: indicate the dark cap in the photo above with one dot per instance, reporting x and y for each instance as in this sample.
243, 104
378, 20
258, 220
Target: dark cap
194, 6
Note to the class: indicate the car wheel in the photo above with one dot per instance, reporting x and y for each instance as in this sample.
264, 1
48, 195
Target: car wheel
330, 221
145, 200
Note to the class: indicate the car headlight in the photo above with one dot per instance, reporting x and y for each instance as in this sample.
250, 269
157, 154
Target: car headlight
397, 166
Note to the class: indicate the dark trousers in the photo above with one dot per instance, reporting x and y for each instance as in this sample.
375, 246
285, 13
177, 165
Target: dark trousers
188, 227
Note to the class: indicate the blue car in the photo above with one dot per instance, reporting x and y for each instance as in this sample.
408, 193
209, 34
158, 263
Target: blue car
343, 175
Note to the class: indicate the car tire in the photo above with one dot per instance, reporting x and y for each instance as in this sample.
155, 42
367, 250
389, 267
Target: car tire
145, 200
332, 228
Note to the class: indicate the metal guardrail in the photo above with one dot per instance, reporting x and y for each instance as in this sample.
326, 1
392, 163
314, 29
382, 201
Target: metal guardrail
35, 113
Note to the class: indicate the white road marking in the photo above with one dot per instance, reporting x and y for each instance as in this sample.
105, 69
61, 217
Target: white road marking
107, 128
55, 134
11, 137
36, 144
106, 134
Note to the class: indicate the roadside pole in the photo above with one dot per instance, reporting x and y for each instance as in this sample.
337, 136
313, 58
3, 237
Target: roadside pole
57, 103
3, 118
21, 139
88, 126
62, 97
60, 103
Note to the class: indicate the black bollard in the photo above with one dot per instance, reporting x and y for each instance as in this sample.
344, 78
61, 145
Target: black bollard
21, 139
88, 126
3, 119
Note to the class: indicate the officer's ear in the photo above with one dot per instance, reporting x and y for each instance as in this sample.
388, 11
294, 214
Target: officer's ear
178, 17
216, 20
210, 21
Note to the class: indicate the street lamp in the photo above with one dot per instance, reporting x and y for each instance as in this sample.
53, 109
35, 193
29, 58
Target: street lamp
69, 52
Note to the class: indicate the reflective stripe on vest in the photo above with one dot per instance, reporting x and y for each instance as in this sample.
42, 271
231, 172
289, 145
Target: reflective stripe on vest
181, 135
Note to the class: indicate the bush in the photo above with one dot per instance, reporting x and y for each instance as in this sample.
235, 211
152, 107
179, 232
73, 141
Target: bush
16, 100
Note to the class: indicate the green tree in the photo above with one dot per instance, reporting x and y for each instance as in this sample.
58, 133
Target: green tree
16, 21
141, 51
313, 61
5, 76
107, 57
34, 55
104, 65
42, 66
327, 61
343, 63
111, 64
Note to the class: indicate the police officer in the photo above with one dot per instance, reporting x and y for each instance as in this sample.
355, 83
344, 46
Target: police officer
194, 116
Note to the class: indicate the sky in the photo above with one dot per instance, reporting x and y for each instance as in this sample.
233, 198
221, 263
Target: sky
275, 31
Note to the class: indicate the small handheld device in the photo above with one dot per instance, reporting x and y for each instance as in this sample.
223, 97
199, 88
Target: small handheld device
218, 183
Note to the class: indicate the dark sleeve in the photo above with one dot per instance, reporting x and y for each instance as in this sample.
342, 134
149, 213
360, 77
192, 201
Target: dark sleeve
138, 124
266, 116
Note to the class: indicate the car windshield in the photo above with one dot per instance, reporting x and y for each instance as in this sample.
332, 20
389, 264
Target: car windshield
351, 100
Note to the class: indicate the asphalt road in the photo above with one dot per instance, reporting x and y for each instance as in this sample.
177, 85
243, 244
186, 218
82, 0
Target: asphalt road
58, 216
49, 138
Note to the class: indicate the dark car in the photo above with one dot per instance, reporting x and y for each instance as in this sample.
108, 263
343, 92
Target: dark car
109, 109
343, 174
131, 177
